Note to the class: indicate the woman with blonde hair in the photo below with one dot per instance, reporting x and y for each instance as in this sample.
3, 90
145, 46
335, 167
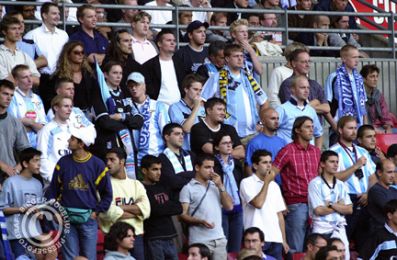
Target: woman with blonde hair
73, 64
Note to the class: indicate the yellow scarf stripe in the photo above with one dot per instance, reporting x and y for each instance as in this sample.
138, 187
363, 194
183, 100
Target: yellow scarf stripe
100, 177
224, 82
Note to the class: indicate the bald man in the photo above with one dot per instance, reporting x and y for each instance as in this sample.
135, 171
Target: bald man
266, 139
381, 192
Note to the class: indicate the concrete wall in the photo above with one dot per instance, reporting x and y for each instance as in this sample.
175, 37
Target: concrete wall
322, 67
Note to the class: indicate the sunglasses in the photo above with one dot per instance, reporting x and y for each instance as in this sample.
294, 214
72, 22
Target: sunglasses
78, 52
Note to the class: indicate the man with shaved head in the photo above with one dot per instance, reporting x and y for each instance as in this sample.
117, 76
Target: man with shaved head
266, 139
381, 192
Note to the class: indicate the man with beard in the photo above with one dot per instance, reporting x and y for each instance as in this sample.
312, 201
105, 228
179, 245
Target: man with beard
355, 168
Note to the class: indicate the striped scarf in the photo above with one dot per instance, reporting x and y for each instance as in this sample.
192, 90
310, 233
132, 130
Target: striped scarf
176, 164
6, 244
226, 81
346, 94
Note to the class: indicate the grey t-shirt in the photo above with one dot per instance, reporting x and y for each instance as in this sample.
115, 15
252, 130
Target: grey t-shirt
209, 210
12, 136
19, 191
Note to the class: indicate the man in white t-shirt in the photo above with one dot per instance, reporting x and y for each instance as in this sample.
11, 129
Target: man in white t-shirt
160, 16
263, 204
163, 75
48, 38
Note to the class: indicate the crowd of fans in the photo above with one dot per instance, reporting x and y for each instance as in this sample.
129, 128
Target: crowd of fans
170, 151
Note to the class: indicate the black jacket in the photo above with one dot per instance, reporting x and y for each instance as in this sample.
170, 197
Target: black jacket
152, 72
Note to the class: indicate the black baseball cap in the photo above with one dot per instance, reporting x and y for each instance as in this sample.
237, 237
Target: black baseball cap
195, 25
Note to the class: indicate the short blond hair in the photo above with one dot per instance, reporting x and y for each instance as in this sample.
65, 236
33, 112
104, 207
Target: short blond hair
57, 100
237, 23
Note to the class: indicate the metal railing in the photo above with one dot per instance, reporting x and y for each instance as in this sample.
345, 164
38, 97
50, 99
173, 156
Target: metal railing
321, 67
284, 29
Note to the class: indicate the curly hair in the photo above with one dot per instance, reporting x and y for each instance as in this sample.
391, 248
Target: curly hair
63, 69
117, 233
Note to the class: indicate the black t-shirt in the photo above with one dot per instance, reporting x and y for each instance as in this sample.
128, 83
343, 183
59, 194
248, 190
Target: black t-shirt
191, 59
201, 134
159, 225
378, 196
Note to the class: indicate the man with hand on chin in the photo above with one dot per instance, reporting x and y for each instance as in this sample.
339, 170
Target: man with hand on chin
263, 204
206, 191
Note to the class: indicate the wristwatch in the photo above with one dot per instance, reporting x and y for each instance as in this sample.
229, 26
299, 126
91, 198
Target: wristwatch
330, 205
222, 189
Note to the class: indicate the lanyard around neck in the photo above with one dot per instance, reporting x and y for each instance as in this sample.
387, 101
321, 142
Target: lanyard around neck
347, 150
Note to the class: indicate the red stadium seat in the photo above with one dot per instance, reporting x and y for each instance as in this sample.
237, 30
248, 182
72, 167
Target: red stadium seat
100, 245
182, 256
232, 255
383, 141
298, 256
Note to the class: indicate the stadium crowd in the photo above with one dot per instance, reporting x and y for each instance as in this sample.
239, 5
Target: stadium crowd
171, 150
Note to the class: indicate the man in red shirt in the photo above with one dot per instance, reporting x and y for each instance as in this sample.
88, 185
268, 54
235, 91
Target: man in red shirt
298, 163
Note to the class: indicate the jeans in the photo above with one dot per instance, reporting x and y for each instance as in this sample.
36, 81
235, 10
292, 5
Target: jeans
232, 225
274, 249
138, 251
161, 249
296, 226
217, 248
81, 240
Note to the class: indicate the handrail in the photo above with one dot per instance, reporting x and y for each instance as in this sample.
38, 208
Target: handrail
285, 29
371, 6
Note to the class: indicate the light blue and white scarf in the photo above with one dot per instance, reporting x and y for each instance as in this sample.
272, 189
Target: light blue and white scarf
176, 164
228, 178
144, 134
346, 94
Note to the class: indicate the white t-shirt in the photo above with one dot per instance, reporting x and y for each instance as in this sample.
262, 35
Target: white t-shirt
159, 17
49, 43
265, 218
169, 91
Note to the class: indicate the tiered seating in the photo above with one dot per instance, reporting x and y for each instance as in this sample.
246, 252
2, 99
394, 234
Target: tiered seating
385, 140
